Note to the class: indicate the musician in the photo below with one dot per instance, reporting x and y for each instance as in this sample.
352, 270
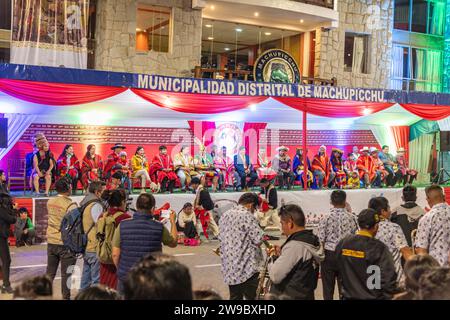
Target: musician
263, 166
162, 169
68, 166
204, 165
433, 233
321, 167
389, 163
43, 164
334, 227
240, 239
244, 169
268, 215
91, 167
295, 271
203, 206
380, 172
283, 166
357, 254
140, 167
337, 165
391, 234
184, 167
113, 159
404, 173
366, 167
408, 214
298, 167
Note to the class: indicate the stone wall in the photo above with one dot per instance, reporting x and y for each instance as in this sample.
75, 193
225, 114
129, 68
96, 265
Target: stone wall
370, 17
116, 39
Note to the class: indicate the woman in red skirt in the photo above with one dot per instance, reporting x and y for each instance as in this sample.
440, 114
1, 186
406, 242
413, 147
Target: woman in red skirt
117, 202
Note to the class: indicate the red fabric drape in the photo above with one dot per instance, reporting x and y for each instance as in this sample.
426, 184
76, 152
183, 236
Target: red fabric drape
251, 137
428, 111
197, 103
334, 108
57, 94
401, 137
200, 128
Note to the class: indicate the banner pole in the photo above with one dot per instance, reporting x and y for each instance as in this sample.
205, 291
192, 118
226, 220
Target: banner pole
305, 154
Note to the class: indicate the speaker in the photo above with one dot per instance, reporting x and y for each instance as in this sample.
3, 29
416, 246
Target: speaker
445, 141
3, 132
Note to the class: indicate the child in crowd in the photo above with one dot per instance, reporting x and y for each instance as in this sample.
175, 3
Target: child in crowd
353, 181
115, 182
24, 229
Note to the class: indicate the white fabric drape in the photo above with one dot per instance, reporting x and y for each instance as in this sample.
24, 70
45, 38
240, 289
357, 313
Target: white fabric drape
384, 136
397, 68
444, 124
358, 54
17, 125
420, 68
420, 151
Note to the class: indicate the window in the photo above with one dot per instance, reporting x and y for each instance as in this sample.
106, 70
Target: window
356, 53
422, 16
153, 28
5, 14
416, 69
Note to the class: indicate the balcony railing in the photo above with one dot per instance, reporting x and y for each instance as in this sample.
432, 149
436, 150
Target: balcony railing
321, 3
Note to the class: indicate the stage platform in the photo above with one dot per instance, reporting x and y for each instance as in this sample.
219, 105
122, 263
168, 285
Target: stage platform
314, 203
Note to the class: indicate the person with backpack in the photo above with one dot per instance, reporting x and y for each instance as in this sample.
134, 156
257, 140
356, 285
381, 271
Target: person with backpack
57, 253
137, 237
296, 269
107, 225
94, 208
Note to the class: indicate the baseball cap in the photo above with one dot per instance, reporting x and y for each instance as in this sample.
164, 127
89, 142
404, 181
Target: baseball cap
368, 218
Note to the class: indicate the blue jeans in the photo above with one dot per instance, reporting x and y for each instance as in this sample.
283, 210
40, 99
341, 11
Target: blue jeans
91, 270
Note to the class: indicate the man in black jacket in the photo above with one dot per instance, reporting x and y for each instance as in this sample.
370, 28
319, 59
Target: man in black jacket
268, 215
203, 206
295, 272
365, 263
7, 218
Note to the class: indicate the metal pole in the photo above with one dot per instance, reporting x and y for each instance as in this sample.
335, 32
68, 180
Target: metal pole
305, 154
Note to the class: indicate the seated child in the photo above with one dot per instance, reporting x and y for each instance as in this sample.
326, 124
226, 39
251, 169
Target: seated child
187, 222
353, 181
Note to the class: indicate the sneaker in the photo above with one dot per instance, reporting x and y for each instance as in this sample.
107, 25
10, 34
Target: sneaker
7, 289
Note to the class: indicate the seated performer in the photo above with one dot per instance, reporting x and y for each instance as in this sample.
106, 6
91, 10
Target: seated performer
203, 206
380, 172
389, 163
29, 165
124, 166
404, 174
263, 166
350, 164
140, 167
43, 164
112, 159
217, 162
321, 167
298, 167
366, 167
204, 165
268, 215
338, 167
356, 153
68, 166
162, 168
354, 182
243, 169
224, 165
91, 168
184, 167
282, 165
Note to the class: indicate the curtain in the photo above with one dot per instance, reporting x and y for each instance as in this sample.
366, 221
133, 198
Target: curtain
203, 130
17, 125
401, 137
444, 124
384, 136
437, 21
198, 103
423, 127
358, 54
428, 111
420, 68
434, 68
420, 151
57, 94
397, 68
252, 138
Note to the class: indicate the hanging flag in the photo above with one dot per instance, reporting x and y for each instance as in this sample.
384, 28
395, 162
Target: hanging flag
50, 33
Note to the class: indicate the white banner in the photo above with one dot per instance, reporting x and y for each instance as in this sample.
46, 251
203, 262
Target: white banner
50, 33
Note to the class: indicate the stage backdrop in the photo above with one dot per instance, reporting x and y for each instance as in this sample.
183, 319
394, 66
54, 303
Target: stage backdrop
50, 33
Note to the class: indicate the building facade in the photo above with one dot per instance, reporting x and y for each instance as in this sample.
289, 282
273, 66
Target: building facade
392, 44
